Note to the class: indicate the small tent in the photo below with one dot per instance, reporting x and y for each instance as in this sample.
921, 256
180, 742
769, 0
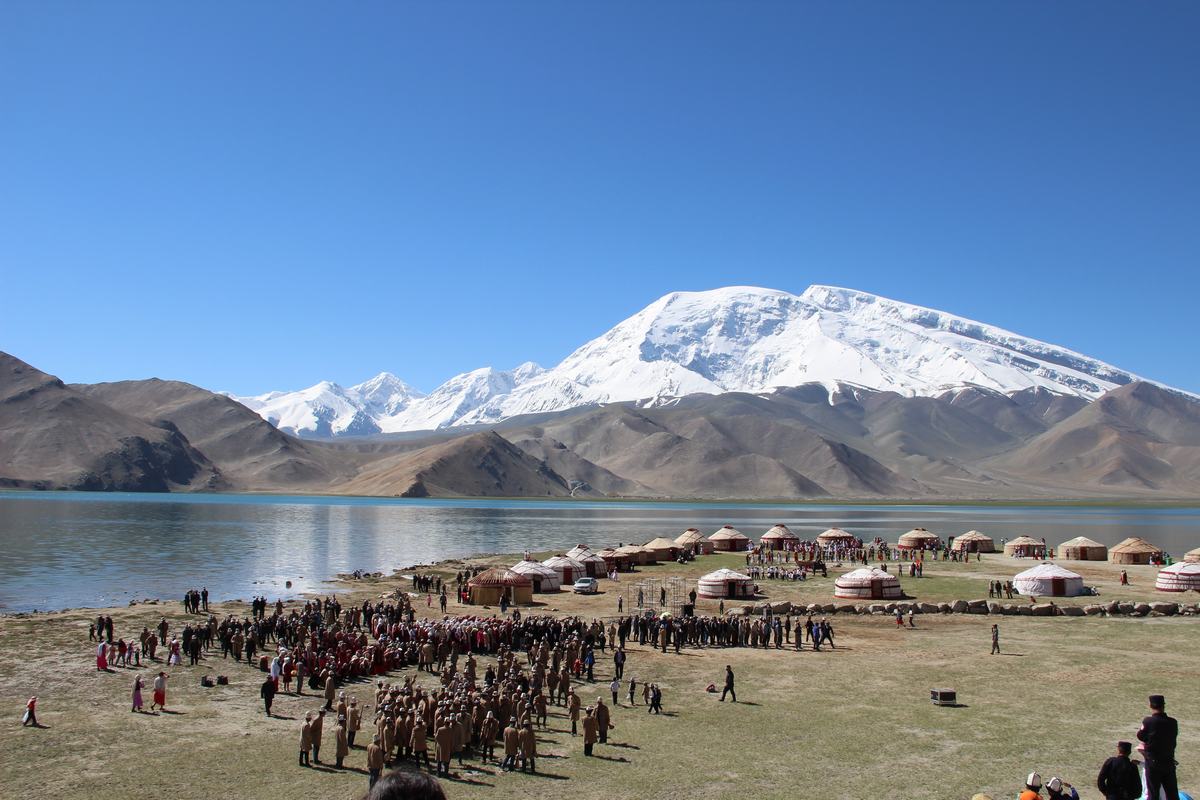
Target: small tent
544, 579
1048, 580
974, 542
868, 583
1183, 576
1024, 547
1082, 548
729, 539
569, 570
1134, 550
489, 586
836, 536
725, 584
778, 537
694, 539
919, 539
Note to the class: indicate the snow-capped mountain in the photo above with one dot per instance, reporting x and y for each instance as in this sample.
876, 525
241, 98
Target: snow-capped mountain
732, 339
327, 409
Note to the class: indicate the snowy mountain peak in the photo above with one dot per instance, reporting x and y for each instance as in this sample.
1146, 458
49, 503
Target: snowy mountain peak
736, 338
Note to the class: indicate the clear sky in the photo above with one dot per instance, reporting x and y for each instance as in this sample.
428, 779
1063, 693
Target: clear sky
255, 196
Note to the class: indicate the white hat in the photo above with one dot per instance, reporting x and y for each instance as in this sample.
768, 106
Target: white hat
1055, 785
1034, 780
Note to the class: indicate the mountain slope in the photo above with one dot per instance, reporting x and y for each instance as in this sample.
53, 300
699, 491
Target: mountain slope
54, 437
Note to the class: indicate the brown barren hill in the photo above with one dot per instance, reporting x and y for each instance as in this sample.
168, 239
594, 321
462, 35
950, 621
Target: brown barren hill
54, 437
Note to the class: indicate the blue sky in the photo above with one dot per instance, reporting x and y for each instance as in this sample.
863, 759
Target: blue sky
258, 196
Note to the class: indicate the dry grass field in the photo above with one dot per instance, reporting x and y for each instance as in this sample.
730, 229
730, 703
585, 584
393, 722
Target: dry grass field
854, 723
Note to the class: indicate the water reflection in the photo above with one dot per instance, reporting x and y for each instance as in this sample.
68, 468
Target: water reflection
67, 549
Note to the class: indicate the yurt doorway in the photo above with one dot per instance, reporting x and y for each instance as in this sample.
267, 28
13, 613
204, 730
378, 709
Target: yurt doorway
1058, 587
877, 589
731, 588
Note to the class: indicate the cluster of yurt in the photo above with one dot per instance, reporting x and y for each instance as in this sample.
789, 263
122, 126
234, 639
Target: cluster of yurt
543, 578
836, 536
1082, 548
1183, 576
729, 539
725, 584
974, 542
919, 539
1024, 547
489, 586
594, 565
664, 549
694, 539
1048, 580
778, 537
1192, 556
1134, 550
569, 570
868, 583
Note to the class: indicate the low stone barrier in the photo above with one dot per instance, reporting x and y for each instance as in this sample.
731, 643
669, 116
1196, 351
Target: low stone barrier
1048, 609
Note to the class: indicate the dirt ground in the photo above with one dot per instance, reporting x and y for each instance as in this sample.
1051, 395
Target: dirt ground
855, 722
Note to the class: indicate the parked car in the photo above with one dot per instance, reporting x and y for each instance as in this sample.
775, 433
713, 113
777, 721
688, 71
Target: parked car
587, 586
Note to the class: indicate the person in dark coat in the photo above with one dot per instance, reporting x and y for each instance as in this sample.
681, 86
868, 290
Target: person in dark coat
1159, 733
728, 684
267, 693
1118, 778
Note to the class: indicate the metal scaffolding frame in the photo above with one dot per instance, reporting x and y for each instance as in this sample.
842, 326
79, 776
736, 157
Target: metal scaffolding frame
646, 594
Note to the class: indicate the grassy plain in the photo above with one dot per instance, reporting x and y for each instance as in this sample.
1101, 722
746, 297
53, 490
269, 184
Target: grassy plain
851, 723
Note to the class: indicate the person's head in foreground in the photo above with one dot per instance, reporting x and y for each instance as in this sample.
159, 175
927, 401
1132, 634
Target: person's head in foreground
406, 786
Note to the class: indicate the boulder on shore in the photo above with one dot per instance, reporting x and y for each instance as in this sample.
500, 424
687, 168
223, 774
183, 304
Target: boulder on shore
960, 607
1073, 611
1166, 609
1042, 609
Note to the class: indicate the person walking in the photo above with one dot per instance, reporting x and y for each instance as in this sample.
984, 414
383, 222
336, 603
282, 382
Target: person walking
138, 685
728, 684
1158, 733
267, 693
615, 688
655, 698
30, 717
995, 639
160, 692
1118, 778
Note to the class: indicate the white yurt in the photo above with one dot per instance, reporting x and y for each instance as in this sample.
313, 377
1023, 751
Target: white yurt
594, 564
1192, 556
778, 537
729, 539
664, 549
569, 570
1024, 547
836, 536
1182, 576
868, 583
918, 539
544, 579
725, 584
974, 542
1082, 548
1048, 580
694, 539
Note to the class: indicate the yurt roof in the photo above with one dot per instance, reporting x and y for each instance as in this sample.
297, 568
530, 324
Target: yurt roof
780, 531
864, 576
728, 532
1024, 540
662, 543
725, 575
973, 536
690, 536
1081, 541
920, 533
1189, 568
500, 576
1046, 570
578, 550
533, 568
587, 558
1192, 553
562, 561
630, 549
1135, 544
836, 533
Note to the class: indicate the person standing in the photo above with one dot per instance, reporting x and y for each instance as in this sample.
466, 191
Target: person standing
267, 693
603, 723
728, 684
619, 662
1118, 778
353, 720
160, 692
318, 729
589, 731
511, 746
995, 639
138, 685
30, 717
615, 688
343, 741
573, 705
528, 742
1159, 733
655, 698
374, 762
306, 734
443, 739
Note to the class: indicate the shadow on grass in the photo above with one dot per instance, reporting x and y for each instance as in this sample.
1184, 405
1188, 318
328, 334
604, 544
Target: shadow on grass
618, 759
173, 713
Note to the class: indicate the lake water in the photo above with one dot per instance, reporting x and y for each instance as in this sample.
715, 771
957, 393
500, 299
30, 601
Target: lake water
66, 550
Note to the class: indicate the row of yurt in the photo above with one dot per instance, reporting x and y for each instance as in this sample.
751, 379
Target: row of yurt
974, 542
835, 536
543, 578
489, 586
1134, 550
1048, 580
1082, 548
1183, 576
694, 539
868, 583
778, 537
725, 584
918, 539
1024, 547
594, 564
729, 540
